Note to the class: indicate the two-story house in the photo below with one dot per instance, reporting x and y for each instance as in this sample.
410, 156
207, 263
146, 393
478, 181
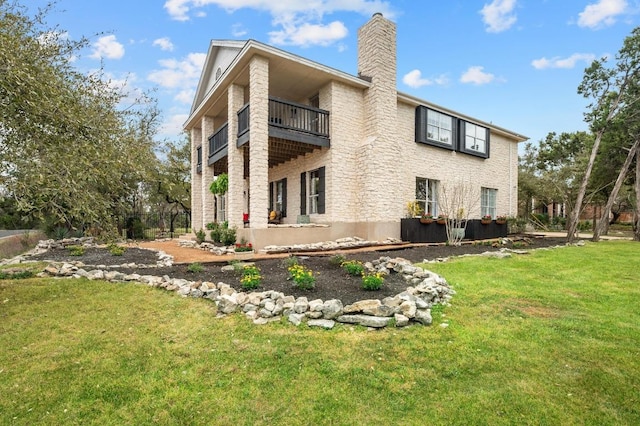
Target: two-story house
335, 154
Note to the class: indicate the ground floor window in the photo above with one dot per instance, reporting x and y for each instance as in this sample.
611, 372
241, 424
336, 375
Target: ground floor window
488, 198
312, 192
278, 197
222, 207
427, 195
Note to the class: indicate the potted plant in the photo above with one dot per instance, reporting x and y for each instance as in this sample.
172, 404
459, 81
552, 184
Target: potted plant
486, 219
426, 218
501, 220
243, 250
441, 219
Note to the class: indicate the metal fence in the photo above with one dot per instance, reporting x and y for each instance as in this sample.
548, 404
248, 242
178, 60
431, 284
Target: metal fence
151, 226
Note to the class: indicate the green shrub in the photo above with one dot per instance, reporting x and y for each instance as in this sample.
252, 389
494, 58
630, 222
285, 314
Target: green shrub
216, 232
228, 236
60, 233
302, 277
16, 275
116, 250
290, 261
337, 260
75, 250
353, 267
200, 236
251, 277
372, 281
195, 267
210, 225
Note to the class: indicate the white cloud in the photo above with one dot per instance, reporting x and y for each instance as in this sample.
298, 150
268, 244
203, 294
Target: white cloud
309, 34
179, 74
498, 15
557, 62
414, 79
164, 43
107, 47
173, 125
602, 13
238, 30
476, 75
297, 22
185, 96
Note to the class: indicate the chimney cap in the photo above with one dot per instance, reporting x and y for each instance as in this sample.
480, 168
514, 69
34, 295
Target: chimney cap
377, 14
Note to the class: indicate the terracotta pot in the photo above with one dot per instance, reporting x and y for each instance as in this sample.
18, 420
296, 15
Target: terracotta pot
485, 221
426, 220
442, 221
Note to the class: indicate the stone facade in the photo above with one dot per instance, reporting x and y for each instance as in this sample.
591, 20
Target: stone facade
371, 165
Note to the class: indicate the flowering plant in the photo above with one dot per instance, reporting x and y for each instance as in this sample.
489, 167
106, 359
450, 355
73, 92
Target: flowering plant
243, 247
486, 217
501, 218
302, 276
427, 216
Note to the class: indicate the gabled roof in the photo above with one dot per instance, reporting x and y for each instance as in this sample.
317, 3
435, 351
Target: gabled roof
215, 46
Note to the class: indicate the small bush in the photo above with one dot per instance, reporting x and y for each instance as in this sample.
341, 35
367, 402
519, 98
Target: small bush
216, 232
116, 250
290, 261
337, 260
238, 267
353, 267
16, 275
75, 250
211, 225
251, 277
228, 236
200, 236
372, 281
195, 267
302, 277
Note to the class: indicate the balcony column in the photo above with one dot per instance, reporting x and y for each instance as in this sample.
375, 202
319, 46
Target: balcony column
235, 158
208, 203
259, 143
196, 181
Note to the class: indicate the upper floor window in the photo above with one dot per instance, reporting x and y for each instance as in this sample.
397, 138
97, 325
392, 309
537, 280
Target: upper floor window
435, 128
475, 139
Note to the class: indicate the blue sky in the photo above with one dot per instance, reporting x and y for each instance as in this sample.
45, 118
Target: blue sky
515, 63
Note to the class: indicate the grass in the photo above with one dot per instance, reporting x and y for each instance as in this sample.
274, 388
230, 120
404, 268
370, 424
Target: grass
547, 338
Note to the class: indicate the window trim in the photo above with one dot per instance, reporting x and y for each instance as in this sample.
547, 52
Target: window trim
462, 140
433, 203
488, 202
422, 126
306, 194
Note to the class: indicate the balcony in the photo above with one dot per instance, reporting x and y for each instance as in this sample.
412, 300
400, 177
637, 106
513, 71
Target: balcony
294, 130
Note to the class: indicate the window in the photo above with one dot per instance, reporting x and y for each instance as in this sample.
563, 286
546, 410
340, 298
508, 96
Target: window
222, 207
199, 159
278, 196
435, 128
312, 192
427, 195
488, 202
475, 140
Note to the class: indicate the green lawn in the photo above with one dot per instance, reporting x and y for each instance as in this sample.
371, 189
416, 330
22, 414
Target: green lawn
547, 338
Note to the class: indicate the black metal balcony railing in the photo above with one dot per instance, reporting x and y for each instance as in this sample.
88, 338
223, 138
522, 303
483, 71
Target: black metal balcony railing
219, 140
199, 163
290, 116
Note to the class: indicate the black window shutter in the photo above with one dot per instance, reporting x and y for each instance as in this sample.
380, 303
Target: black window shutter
284, 197
321, 191
303, 193
270, 197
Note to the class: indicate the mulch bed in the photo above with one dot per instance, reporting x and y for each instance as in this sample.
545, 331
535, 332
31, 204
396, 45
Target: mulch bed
331, 281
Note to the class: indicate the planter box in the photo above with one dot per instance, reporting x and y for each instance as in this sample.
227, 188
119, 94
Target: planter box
478, 231
244, 255
412, 230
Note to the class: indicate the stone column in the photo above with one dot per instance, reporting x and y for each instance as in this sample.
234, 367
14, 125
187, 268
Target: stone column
208, 204
259, 144
235, 159
196, 181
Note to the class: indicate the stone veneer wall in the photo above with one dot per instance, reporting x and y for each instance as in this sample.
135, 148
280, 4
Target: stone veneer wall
499, 171
196, 181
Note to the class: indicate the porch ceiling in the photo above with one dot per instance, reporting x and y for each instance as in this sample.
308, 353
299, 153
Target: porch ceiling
282, 150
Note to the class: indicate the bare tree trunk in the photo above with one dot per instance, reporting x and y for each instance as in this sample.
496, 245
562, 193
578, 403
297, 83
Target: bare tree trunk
603, 225
636, 232
572, 226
